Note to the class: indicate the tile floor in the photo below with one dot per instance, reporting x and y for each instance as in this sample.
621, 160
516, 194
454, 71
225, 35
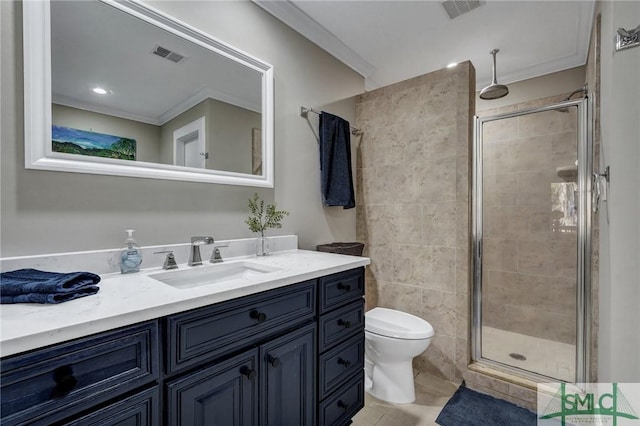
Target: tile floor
432, 393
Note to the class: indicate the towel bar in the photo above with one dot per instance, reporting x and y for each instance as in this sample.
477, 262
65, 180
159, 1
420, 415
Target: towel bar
304, 112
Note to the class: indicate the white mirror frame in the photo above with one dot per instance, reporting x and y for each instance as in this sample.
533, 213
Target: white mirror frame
37, 102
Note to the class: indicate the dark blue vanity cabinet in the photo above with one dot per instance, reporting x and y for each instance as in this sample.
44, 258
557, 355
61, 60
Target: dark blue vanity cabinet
272, 380
272, 384
141, 408
90, 374
340, 347
288, 356
287, 382
223, 393
208, 333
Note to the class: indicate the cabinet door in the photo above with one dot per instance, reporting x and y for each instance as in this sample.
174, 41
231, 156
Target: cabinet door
288, 396
224, 394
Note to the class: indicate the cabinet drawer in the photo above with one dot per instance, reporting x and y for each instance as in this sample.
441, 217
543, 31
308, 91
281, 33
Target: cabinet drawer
56, 382
341, 324
209, 332
340, 363
337, 289
338, 409
141, 409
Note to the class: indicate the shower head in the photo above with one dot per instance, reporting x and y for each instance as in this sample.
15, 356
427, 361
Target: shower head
494, 90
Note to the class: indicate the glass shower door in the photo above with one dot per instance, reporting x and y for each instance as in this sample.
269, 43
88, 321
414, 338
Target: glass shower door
528, 237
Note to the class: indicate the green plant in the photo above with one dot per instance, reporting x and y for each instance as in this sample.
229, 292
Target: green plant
261, 218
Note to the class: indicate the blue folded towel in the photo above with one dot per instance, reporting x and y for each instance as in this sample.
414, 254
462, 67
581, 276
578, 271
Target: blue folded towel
34, 286
335, 161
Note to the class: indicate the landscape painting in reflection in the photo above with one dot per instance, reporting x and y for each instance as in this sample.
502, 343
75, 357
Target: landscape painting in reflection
83, 142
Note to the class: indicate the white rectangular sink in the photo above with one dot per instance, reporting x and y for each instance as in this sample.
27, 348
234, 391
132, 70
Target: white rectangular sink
197, 276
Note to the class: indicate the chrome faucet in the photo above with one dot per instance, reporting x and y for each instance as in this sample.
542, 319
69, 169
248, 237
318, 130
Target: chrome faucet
194, 258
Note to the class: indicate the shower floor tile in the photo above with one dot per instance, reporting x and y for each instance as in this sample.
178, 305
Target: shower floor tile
545, 357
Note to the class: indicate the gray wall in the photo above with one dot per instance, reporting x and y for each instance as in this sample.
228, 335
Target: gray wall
619, 341
48, 212
230, 136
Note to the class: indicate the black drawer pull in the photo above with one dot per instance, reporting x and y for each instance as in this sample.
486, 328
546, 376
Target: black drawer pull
345, 324
343, 405
249, 372
345, 287
344, 362
258, 316
275, 362
65, 382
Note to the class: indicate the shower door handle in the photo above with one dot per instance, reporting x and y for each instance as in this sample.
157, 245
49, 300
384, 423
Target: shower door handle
595, 194
598, 193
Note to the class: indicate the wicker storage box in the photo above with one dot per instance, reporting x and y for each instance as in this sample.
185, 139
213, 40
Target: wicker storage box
352, 249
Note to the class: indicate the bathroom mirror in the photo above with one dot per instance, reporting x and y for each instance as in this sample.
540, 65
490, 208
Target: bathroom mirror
120, 88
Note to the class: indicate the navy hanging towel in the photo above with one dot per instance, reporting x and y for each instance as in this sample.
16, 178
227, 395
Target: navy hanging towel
335, 161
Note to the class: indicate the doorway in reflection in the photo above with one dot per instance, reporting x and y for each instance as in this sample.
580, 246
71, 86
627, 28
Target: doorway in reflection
190, 144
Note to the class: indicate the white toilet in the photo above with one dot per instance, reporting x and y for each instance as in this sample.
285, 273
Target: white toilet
392, 339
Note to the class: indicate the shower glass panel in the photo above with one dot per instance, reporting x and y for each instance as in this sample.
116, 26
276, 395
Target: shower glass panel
529, 221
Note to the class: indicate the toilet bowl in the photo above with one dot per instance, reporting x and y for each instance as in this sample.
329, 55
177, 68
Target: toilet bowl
392, 339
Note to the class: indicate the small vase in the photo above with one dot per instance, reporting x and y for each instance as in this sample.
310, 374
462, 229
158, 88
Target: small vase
262, 246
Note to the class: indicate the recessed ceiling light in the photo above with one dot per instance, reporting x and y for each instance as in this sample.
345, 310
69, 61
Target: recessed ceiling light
452, 64
99, 91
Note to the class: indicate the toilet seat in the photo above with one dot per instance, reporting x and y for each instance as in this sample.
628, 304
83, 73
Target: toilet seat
397, 324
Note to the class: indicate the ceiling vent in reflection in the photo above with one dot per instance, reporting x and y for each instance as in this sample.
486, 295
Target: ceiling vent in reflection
168, 54
455, 8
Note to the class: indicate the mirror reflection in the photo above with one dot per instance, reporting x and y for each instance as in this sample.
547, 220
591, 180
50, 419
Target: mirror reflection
127, 90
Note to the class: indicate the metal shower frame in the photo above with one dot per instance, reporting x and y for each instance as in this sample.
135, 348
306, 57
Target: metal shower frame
583, 290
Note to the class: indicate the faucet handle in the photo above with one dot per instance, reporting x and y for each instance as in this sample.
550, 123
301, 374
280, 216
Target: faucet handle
169, 261
216, 256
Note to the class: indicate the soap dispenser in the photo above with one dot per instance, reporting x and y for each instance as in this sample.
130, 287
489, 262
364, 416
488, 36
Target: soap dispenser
131, 255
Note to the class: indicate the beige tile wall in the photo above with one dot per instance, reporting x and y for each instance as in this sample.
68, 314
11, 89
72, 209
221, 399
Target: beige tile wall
413, 206
413, 213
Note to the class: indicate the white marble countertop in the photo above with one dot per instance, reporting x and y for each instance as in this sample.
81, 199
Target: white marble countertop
129, 299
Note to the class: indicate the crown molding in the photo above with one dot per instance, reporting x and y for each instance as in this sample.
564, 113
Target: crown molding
101, 109
162, 119
302, 23
204, 94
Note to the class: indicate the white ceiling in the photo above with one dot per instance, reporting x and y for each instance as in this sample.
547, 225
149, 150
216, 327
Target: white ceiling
390, 41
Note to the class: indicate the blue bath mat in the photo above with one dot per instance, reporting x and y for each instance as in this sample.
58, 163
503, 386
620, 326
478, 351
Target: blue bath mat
470, 408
